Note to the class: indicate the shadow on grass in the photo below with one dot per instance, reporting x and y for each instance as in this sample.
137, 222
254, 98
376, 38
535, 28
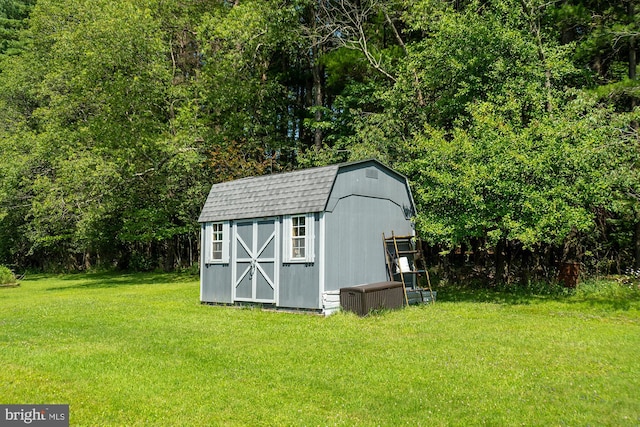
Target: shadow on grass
117, 279
615, 303
460, 293
613, 296
601, 295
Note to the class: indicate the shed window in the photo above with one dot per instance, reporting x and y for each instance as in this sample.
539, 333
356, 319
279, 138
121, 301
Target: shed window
218, 238
217, 241
298, 238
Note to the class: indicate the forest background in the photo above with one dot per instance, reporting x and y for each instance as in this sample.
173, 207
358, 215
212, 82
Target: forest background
515, 121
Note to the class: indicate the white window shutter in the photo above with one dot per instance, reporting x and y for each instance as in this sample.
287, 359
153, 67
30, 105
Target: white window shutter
208, 247
204, 242
310, 241
226, 239
286, 238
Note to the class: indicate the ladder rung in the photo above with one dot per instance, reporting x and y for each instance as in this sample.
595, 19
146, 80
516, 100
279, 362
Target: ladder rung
400, 237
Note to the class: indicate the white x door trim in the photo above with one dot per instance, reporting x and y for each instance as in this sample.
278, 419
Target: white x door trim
254, 260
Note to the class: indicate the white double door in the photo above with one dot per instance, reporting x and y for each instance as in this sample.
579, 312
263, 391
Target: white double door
254, 262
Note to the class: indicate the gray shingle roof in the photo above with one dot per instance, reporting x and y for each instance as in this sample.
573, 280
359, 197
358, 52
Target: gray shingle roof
270, 195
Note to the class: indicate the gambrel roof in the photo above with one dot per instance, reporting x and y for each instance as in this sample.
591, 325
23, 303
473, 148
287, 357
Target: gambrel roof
288, 193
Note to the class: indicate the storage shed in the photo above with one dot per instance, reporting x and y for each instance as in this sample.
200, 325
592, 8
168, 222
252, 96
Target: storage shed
291, 239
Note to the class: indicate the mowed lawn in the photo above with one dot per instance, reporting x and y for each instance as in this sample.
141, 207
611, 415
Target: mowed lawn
141, 350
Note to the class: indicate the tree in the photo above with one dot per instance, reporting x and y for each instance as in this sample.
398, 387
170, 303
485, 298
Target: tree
605, 35
13, 17
107, 132
501, 185
116, 117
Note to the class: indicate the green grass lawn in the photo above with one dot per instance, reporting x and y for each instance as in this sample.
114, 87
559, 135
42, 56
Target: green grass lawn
141, 350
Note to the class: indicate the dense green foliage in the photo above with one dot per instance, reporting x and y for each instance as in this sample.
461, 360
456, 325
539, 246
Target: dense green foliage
515, 121
13, 14
138, 350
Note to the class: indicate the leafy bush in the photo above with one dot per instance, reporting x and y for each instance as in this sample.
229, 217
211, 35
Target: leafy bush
6, 276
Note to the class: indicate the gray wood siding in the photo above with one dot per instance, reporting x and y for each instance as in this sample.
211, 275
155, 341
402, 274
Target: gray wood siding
216, 283
300, 282
354, 250
299, 286
369, 180
215, 279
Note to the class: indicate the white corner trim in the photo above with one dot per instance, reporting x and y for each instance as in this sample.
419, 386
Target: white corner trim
321, 256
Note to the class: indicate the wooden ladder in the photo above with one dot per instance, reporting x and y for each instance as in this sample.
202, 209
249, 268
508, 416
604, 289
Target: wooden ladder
410, 248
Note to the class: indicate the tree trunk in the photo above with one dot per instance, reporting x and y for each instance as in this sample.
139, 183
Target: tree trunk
636, 241
632, 42
500, 260
634, 124
168, 259
633, 63
318, 98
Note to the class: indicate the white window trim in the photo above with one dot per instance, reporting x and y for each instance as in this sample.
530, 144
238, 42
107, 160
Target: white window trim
309, 239
225, 243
